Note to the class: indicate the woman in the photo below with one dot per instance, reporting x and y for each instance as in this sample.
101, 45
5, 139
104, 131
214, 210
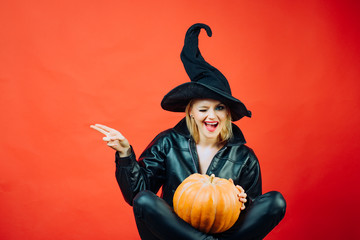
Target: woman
205, 141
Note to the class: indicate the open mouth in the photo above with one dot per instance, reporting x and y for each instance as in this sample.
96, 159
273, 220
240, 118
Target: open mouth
211, 126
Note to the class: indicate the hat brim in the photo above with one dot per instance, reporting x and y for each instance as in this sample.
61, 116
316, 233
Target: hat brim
179, 97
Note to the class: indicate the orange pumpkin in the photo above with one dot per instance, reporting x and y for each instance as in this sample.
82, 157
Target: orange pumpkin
209, 204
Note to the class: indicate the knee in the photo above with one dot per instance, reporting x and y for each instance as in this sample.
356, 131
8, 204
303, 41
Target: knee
143, 199
277, 204
147, 206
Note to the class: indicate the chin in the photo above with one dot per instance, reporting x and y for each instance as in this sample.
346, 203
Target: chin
211, 135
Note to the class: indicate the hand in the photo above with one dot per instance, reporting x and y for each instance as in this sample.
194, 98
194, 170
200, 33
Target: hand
242, 195
114, 139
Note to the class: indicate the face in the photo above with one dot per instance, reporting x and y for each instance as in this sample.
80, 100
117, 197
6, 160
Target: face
210, 117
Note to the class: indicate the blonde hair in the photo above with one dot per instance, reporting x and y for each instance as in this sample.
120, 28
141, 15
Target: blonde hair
225, 134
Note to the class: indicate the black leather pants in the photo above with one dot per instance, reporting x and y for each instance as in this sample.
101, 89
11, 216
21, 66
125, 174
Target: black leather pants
155, 219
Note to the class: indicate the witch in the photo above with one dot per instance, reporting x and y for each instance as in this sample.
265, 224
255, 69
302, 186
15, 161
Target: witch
205, 141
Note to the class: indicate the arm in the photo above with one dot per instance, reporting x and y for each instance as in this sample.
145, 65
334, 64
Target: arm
146, 174
133, 176
250, 178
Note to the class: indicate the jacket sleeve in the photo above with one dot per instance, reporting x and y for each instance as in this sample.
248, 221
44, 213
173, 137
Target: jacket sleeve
146, 174
250, 178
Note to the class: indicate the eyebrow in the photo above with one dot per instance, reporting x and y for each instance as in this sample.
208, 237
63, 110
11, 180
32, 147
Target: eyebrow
206, 106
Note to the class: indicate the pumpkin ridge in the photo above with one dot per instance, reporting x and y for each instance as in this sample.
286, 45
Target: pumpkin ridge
192, 208
211, 207
238, 210
185, 210
208, 206
216, 196
233, 214
228, 218
189, 181
184, 186
219, 212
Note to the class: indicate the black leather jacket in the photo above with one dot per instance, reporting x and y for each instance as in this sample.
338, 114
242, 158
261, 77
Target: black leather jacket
172, 156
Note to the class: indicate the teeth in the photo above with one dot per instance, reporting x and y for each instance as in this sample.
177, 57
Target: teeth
211, 123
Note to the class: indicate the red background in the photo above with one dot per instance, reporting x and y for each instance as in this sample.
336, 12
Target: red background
67, 64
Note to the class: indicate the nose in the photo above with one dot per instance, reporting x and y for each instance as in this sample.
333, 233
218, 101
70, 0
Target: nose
211, 114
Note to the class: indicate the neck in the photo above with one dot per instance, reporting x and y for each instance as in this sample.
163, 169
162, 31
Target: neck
208, 142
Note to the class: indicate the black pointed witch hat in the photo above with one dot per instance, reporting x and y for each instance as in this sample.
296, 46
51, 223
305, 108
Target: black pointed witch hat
206, 81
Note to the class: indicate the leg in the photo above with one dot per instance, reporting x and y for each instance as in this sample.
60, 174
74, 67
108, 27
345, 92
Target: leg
258, 219
156, 220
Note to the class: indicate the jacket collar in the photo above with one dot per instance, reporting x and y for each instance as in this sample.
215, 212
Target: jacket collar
237, 139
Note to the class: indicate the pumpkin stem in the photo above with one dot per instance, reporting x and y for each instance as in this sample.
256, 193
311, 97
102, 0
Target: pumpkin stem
212, 178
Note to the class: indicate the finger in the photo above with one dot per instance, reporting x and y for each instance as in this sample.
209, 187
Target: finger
99, 129
240, 188
242, 196
114, 138
242, 207
105, 127
111, 144
117, 137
